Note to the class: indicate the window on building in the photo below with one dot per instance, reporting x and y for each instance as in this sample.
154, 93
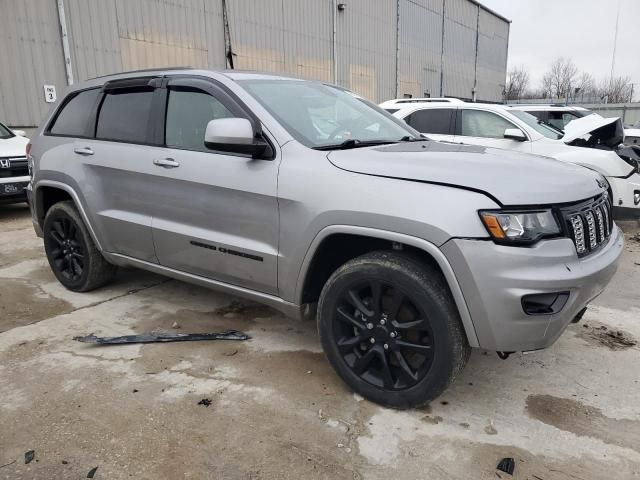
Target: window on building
124, 116
73, 119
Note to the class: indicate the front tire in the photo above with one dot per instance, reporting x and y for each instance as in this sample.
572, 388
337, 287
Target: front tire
72, 255
390, 329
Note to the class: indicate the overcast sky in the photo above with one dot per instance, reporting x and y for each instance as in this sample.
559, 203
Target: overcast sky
583, 30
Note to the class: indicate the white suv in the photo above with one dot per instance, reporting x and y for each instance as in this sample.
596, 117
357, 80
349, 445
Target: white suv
513, 129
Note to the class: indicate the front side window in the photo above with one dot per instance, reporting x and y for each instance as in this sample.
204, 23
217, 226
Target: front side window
478, 123
322, 116
432, 120
124, 115
188, 113
73, 119
5, 132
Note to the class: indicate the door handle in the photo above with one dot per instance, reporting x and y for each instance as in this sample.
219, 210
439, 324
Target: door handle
166, 162
83, 151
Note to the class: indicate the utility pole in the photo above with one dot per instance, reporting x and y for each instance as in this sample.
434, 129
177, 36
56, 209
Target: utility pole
615, 43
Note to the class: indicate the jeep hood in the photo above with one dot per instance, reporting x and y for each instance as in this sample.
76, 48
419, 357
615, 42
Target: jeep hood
512, 178
606, 131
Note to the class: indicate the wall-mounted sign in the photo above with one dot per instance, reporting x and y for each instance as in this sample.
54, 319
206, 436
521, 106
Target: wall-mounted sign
50, 93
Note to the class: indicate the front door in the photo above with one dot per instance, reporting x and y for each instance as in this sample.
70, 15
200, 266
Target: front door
217, 213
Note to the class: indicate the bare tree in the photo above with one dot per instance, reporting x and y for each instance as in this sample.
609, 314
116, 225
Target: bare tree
560, 77
517, 83
616, 90
585, 86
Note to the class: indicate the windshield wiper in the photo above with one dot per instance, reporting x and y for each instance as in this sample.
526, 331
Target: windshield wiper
354, 143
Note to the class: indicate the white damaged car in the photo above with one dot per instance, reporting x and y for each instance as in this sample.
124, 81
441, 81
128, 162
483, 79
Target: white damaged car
591, 141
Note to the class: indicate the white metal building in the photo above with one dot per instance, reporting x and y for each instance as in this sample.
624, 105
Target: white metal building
381, 49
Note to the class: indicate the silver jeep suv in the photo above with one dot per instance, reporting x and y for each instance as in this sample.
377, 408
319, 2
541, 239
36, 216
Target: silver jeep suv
293, 192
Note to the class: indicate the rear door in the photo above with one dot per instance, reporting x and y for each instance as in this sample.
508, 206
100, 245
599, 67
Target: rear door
437, 123
218, 212
481, 127
110, 162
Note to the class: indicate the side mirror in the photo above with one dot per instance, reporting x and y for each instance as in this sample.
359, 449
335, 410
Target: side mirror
20, 133
515, 134
234, 135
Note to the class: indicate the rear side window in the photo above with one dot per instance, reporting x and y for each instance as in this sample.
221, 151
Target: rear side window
124, 116
73, 119
432, 120
188, 113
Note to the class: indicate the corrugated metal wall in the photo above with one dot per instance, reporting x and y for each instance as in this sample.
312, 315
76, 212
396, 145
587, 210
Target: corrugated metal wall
493, 43
30, 57
384, 48
420, 47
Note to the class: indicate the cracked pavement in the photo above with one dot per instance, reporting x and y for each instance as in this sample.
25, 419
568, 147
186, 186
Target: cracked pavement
277, 409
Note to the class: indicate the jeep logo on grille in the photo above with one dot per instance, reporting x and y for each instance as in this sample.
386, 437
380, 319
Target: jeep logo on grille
5, 163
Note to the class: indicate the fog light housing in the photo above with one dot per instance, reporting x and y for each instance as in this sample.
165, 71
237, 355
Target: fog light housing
544, 303
636, 197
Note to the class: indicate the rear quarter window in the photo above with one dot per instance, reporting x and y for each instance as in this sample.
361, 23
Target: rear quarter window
73, 118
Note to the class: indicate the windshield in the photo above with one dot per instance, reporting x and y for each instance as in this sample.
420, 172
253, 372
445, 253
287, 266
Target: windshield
538, 125
5, 132
322, 116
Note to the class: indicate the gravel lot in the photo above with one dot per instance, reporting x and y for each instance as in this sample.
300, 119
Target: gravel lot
277, 409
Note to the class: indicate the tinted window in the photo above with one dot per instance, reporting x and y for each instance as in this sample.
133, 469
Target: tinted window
124, 116
188, 113
392, 110
437, 120
477, 123
74, 117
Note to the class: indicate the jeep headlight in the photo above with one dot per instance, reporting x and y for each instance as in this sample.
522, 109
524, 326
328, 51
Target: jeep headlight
520, 227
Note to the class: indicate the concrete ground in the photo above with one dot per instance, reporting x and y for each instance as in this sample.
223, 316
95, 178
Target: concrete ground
277, 408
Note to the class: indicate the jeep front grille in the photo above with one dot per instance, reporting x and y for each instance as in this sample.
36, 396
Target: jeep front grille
589, 224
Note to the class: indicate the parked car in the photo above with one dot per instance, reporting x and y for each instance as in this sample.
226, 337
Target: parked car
296, 193
14, 175
559, 115
511, 128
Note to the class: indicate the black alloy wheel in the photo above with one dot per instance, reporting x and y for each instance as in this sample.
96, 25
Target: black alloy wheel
68, 252
382, 335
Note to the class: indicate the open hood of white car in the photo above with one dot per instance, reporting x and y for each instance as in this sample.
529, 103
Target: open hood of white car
608, 130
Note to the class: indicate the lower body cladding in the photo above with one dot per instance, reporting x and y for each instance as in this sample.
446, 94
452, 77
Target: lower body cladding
13, 189
626, 196
547, 280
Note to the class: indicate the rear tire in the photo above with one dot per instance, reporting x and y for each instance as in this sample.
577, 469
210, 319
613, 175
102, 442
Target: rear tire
72, 255
390, 329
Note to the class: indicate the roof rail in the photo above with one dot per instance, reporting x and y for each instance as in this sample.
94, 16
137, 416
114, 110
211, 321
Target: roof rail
145, 70
426, 100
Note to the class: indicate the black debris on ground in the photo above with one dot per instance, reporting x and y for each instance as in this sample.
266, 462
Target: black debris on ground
64, 462
205, 401
92, 472
507, 465
164, 337
29, 456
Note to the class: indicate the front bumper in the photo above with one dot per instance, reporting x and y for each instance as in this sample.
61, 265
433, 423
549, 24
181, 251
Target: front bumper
494, 278
625, 193
13, 189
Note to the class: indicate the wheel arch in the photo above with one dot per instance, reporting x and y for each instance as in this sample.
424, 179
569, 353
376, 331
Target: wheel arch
321, 260
49, 192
